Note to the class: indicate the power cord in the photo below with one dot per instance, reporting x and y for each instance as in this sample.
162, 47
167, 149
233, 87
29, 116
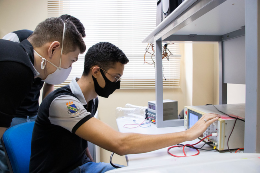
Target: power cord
116, 166
190, 146
227, 114
230, 134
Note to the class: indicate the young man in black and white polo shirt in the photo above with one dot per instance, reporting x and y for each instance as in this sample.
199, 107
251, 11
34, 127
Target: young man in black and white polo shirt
64, 125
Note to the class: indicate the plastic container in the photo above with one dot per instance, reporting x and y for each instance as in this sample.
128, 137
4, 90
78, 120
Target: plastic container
130, 111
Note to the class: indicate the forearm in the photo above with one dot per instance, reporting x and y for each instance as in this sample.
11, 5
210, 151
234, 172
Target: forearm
104, 136
133, 143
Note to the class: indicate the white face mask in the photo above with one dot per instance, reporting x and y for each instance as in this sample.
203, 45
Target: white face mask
61, 74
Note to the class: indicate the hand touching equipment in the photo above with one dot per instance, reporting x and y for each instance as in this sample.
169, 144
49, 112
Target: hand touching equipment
201, 125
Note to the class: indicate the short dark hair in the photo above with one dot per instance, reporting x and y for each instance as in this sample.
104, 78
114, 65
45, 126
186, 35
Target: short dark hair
104, 55
76, 22
52, 29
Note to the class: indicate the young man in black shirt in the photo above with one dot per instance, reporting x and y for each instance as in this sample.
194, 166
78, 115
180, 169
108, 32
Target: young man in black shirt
48, 54
27, 111
64, 125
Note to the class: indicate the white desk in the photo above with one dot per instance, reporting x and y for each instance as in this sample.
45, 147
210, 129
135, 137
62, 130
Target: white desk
160, 161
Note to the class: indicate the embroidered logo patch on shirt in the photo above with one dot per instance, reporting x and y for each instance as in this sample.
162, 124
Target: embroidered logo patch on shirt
71, 108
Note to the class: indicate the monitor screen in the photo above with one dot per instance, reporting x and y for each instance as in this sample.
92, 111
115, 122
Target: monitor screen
193, 118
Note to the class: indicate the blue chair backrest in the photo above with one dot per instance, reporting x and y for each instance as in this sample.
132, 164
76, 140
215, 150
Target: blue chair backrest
17, 144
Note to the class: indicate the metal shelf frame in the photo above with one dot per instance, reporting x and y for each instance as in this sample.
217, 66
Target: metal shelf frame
189, 23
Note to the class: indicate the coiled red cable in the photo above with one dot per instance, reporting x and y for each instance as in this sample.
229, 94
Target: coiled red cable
189, 145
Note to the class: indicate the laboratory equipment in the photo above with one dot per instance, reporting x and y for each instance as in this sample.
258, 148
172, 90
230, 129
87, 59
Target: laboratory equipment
170, 110
169, 6
229, 128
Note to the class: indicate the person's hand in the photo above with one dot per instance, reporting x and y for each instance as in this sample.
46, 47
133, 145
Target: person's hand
201, 125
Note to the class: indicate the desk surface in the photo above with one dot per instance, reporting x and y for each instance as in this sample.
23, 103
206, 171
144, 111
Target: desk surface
160, 161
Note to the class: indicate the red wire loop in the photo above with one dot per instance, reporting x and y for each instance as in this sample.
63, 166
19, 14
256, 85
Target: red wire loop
186, 145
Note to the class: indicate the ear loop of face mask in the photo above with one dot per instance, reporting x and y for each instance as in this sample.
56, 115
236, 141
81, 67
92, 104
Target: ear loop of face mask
43, 63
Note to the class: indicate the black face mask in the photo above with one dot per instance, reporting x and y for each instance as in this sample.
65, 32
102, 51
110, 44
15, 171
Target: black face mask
109, 88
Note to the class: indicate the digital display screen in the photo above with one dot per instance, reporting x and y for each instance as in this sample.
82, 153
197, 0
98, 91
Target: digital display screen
151, 106
193, 118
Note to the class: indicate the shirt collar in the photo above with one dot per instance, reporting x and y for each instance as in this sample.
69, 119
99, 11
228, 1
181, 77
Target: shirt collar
77, 91
27, 46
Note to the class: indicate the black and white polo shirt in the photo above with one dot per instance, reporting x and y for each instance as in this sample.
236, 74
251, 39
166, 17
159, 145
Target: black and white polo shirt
55, 146
18, 36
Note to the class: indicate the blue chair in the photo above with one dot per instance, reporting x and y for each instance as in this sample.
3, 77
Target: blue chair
17, 144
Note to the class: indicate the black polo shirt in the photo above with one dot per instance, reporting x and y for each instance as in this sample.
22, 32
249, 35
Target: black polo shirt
30, 105
16, 77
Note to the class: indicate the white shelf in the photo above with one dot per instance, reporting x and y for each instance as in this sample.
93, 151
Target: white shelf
228, 16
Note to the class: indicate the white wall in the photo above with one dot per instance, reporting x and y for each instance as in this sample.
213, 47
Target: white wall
201, 73
21, 14
216, 74
236, 93
188, 65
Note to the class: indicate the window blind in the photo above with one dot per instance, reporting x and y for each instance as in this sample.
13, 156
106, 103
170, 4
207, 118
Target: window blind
124, 23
